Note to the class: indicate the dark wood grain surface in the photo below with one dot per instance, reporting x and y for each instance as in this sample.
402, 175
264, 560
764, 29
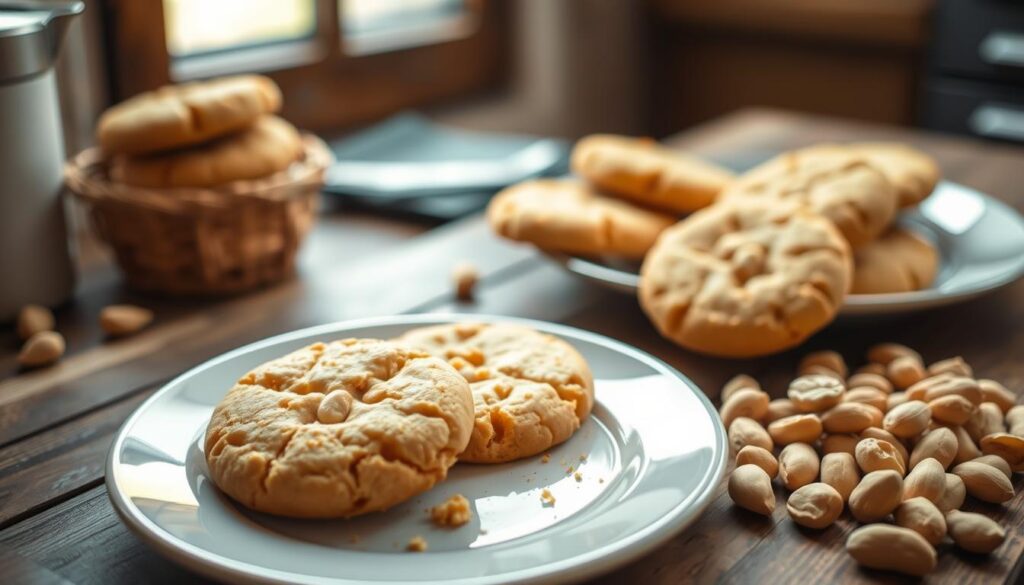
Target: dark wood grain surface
57, 525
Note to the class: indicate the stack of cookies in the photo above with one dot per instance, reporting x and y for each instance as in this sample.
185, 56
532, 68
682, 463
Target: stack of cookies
359, 425
200, 188
763, 260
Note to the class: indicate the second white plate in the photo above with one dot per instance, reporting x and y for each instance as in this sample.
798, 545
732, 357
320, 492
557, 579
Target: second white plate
980, 242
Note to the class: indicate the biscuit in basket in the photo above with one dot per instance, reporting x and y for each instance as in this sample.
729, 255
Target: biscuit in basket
531, 390
339, 429
269, 146
913, 173
746, 279
568, 216
646, 172
833, 182
181, 115
899, 261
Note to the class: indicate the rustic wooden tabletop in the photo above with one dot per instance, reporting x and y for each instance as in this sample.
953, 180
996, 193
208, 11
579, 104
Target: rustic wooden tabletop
56, 424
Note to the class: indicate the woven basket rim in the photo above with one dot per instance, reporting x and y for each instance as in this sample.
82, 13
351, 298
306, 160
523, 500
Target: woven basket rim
86, 176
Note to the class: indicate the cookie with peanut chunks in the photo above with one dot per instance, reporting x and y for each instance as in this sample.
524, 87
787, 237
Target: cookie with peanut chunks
898, 261
749, 279
176, 116
912, 172
531, 390
339, 429
568, 216
641, 170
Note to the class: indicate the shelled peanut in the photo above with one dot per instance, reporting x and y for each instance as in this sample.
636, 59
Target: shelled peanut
897, 440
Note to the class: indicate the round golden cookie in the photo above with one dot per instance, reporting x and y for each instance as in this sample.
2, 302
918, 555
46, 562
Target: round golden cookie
746, 280
567, 216
181, 115
913, 173
831, 181
644, 171
339, 429
899, 261
531, 390
269, 146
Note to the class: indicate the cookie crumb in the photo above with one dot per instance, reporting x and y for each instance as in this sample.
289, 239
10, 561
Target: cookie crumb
545, 458
547, 498
483, 531
578, 476
569, 470
454, 511
600, 480
416, 544
465, 277
583, 457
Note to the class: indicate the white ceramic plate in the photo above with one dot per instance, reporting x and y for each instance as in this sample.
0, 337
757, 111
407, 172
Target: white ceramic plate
980, 242
652, 453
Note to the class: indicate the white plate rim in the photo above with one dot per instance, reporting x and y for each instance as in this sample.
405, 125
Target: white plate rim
596, 562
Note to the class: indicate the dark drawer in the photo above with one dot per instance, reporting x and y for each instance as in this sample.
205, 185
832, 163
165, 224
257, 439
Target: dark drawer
980, 38
977, 109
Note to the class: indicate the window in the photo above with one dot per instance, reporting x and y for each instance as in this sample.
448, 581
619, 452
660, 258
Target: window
338, 62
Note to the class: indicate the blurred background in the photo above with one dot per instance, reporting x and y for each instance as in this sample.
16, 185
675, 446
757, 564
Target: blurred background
569, 67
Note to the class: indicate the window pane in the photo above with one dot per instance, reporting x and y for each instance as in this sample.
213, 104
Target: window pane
202, 26
377, 16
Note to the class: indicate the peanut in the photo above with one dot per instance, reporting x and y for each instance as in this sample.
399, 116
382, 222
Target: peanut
974, 532
992, 391
951, 409
799, 428
746, 431
874, 455
873, 368
827, 359
908, 419
745, 402
904, 372
921, 516
41, 349
839, 470
871, 380
839, 444
816, 370
1015, 420
954, 495
751, 489
876, 496
944, 385
119, 320
850, 417
1009, 447
780, 408
927, 480
465, 277
884, 353
954, 365
986, 420
868, 395
966, 450
895, 399
738, 382
763, 458
798, 465
884, 435
985, 482
892, 548
34, 319
939, 444
815, 393
335, 407
815, 505
997, 462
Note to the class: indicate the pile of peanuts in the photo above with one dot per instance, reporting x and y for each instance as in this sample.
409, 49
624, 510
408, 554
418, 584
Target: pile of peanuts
901, 446
43, 345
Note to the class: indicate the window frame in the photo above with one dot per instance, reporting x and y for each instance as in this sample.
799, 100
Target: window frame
326, 88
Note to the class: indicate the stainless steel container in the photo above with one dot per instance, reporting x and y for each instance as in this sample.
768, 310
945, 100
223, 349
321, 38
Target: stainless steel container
35, 264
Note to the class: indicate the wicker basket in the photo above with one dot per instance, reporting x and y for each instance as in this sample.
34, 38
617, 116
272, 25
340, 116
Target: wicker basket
203, 241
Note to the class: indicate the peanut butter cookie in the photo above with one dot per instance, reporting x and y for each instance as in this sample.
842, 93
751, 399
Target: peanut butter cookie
567, 216
644, 171
339, 429
746, 279
829, 180
530, 390
912, 173
182, 115
899, 261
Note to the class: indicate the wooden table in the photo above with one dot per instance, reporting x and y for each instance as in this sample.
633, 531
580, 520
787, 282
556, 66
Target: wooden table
57, 525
